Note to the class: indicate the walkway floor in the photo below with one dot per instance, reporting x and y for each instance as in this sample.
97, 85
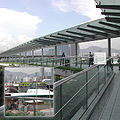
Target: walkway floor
108, 108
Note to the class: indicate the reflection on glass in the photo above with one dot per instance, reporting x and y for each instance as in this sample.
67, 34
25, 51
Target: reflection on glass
29, 91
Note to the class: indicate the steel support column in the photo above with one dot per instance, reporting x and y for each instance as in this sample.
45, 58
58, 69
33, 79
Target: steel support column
25, 54
42, 54
9, 59
12, 59
109, 47
56, 54
20, 56
15, 58
109, 53
55, 51
34, 107
32, 53
76, 53
25, 57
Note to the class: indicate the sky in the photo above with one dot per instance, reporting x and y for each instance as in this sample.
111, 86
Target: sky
23, 20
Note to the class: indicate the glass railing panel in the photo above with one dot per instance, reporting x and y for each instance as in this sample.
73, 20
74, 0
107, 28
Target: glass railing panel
72, 60
76, 103
57, 102
77, 95
71, 87
92, 88
91, 72
108, 72
102, 78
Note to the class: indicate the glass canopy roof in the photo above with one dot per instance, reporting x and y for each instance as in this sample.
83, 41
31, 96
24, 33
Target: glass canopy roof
108, 27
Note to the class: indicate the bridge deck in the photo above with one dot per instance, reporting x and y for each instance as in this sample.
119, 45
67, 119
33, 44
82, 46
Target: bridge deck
108, 107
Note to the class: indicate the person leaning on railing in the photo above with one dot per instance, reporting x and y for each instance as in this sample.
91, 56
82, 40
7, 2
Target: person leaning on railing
118, 62
91, 59
110, 63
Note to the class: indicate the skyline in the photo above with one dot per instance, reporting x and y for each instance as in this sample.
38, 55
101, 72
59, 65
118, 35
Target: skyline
23, 20
29, 70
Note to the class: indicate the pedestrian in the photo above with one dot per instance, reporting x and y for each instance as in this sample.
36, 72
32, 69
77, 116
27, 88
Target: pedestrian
63, 58
91, 59
63, 54
109, 63
118, 62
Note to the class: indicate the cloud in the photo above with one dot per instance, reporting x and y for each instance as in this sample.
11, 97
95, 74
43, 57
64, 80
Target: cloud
61, 5
16, 28
82, 7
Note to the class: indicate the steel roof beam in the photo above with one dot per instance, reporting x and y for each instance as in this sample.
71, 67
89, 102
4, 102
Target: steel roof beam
50, 38
115, 7
109, 24
93, 31
33, 46
26, 46
103, 29
60, 37
113, 19
46, 41
81, 34
30, 47
111, 13
71, 36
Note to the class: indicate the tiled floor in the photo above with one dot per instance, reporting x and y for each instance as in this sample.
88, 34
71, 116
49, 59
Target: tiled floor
108, 107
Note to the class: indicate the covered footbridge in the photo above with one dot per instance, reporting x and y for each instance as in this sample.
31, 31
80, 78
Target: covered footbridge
78, 96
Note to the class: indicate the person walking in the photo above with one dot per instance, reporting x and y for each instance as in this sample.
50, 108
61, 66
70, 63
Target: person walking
90, 59
63, 58
63, 54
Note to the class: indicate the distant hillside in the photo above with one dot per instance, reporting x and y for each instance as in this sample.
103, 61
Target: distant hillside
97, 49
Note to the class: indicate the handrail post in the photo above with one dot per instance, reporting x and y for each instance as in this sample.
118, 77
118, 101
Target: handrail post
60, 102
70, 61
34, 107
80, 62
105, 73
76, 54
98, 78
53, 62
86, 89
46, 62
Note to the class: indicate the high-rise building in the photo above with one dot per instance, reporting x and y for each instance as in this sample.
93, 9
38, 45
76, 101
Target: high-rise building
63, 48
42, 72
38, 52
72, 49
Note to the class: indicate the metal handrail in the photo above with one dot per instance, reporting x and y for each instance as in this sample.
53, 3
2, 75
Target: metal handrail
76, 74
78, 91
30, 98
73, 76
59, 58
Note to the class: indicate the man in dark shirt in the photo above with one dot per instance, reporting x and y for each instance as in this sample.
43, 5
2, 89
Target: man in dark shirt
90, 59
63, 54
